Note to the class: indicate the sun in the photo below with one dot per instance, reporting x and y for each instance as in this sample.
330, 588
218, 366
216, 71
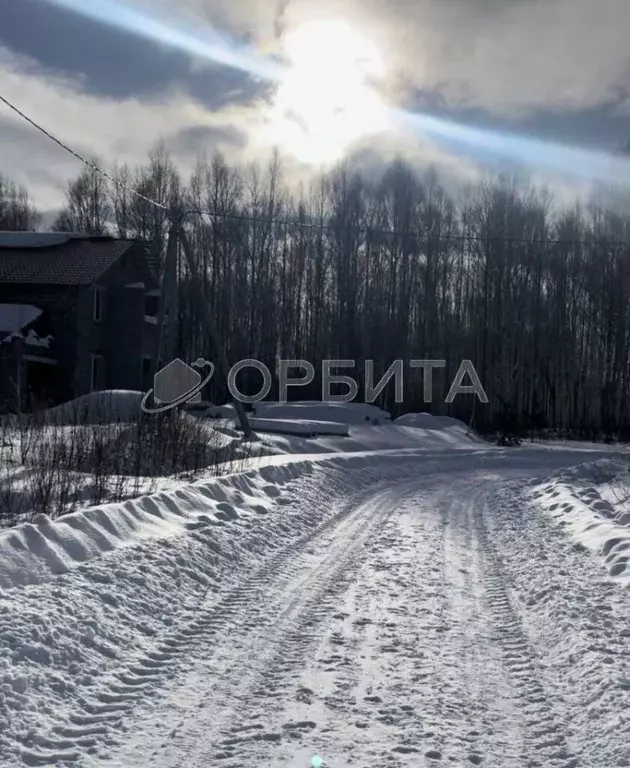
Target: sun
328, 98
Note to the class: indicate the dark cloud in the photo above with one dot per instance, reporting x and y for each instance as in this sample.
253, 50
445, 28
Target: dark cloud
111, 62
602, 128
196, 140
550, 69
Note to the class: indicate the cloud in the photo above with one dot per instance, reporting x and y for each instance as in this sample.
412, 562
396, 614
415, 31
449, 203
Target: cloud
510, 57
121, 130
112, 62
558, 67
522, 55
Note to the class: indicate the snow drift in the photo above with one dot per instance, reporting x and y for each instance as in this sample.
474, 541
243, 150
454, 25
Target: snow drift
591, 502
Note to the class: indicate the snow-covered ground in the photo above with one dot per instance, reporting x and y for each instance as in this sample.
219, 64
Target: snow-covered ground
407, 595
592, 503
303, 427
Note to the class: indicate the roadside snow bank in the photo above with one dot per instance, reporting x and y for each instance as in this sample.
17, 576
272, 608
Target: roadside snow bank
31, 552
108, 590
592, 502
378, 438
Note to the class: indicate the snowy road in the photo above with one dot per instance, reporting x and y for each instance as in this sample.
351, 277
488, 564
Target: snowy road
420, 618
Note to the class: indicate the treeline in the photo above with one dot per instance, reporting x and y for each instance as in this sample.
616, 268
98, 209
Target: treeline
396, 268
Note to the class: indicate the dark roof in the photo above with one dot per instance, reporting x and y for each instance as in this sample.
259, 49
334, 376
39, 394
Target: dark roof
58, 258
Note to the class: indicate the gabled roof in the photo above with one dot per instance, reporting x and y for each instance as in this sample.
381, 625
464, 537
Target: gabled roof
59, 258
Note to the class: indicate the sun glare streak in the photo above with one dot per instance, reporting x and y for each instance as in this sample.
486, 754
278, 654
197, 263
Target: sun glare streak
204, 42
589, 165
326, 95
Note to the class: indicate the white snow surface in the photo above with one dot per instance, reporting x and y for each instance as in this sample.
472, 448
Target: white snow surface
419, 420
344, 413
592, 503
13, 317
115, 405
416, 606
308, 427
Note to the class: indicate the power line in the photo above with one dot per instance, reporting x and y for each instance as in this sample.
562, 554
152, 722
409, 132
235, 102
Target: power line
90, 164
401, 233
300, 224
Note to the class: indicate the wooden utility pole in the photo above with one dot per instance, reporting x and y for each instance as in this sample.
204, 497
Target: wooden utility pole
167, 311
168, 301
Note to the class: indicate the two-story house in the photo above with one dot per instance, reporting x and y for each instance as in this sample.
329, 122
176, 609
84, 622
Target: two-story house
79, 314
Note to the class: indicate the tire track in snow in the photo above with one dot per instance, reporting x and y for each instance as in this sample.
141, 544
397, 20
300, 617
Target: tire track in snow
546, 743
256, 690
483, 687
579, 617
476, 694
472, 712
398, 676
101, 718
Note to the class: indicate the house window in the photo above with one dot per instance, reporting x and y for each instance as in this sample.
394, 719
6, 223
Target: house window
99, 297
97, 373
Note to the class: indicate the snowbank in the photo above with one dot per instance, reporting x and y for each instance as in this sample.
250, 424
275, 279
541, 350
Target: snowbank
428, 421
592, 503
107, 406
373, 438
98, 607
370, 428
32, 552
303, 427
343, 413
418, 420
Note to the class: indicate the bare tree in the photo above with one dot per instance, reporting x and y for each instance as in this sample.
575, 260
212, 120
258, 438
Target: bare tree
87, 209
16, 211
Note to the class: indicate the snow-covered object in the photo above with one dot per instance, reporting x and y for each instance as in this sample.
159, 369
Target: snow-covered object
13, 317
303, 427
112, 405
33, 340
428, 421
418, 420
343, 413
227, 411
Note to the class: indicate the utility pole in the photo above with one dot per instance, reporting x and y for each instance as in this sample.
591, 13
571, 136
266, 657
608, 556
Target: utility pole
213, 330
166, 318
168, 300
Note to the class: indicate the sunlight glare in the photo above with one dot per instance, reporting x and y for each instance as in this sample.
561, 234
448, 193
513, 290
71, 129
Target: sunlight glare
328, 98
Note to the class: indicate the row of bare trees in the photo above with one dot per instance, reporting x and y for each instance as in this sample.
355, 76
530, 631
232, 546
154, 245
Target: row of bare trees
356, 267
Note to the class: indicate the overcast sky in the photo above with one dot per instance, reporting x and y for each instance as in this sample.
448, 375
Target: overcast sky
557, 69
